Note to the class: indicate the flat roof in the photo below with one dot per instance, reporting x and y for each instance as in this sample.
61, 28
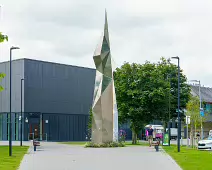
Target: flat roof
43, 61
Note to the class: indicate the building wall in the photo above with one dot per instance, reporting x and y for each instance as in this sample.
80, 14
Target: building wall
17, 75
62, 94
4, 126
65, 127
58, 93
56, 88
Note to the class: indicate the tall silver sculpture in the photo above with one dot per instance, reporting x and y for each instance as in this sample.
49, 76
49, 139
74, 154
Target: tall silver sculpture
105, 113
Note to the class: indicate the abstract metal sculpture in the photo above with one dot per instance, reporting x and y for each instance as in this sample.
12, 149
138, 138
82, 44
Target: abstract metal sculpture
105, 113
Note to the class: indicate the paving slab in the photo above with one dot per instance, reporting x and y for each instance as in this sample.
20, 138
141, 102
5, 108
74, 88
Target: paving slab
54, 156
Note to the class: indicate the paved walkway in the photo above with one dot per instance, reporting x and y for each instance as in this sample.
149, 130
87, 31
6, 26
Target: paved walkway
53, 156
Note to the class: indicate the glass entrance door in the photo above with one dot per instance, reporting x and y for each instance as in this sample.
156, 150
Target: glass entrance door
34, 131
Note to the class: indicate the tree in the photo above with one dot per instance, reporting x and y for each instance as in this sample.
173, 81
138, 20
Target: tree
2, 75
2, 39
170, 72
142, 92
193, 110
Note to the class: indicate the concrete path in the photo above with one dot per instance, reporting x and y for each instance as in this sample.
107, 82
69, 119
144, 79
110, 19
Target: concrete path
53, 156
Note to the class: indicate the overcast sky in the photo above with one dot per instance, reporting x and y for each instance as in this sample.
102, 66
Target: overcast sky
67, 31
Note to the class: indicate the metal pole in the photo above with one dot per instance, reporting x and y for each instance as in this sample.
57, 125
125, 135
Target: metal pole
10, 119
187, 130
21, 135
179, 121
200, 99
169, 110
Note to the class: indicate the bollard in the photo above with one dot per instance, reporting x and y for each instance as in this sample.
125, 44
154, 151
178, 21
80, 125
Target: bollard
156, 148
34, 147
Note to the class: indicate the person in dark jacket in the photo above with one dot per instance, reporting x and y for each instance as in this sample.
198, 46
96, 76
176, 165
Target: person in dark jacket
150, 135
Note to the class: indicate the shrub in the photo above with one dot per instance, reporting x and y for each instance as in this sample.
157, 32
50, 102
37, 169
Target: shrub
104, 145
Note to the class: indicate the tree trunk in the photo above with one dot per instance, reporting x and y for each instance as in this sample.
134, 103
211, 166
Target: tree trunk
165, 123
191, 136
134, 136
195, 129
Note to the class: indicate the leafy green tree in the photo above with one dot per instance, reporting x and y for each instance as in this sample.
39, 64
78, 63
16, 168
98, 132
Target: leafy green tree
193, 110
2, 39
170, 73
2, 75
139, 90
143, 91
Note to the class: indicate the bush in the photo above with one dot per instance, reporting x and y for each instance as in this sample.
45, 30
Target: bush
104, 145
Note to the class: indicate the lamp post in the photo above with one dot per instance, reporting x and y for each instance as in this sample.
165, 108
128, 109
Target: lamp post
169, 103
178, 104
10, 120
200, 105
21, 133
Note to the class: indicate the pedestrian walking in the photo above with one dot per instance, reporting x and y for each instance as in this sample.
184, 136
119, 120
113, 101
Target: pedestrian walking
150, 135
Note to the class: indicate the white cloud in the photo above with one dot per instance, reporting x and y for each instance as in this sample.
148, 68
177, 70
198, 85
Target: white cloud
67, 31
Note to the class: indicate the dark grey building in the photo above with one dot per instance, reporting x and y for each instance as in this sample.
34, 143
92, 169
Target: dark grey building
56, 100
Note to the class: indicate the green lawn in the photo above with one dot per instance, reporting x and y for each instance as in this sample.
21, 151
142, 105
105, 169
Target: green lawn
190, 159
11, 163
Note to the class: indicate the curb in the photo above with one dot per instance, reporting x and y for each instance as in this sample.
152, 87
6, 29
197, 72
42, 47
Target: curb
170, 158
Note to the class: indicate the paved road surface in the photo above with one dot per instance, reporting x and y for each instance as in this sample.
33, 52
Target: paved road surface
53, 156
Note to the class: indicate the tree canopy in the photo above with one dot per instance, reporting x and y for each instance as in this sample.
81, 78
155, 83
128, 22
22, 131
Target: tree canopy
143, 92
3, 38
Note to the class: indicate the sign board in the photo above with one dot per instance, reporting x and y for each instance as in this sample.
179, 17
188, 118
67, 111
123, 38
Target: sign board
188, 120
202, 112
166, 139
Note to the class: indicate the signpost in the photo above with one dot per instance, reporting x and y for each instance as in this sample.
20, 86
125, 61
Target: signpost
166, 139
202, 114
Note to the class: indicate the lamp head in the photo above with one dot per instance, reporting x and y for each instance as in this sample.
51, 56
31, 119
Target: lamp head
195, 81
14, 48
175, 57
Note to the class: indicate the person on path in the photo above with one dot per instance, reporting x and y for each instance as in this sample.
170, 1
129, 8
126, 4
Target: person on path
147, 134
150, 135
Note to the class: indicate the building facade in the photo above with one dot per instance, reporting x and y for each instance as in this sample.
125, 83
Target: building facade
55, 104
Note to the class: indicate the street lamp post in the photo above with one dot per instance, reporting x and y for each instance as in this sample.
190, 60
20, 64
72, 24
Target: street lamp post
178, 104
10, 119
168, 78
200, 105
21, 134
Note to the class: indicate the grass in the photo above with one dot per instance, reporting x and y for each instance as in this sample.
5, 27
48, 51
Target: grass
190, 159
11, 163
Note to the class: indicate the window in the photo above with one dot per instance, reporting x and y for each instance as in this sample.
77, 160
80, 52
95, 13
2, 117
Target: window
8, 124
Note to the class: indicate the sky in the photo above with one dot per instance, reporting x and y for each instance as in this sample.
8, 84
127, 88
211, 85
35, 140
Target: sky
68, 31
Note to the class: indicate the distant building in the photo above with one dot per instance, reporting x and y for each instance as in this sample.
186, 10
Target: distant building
206, 95
56, 100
